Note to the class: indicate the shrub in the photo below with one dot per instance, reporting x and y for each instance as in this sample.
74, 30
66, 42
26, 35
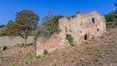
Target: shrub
111, 18
29, 57
45, 52
2, 32
70, 39
38, 34
12, 64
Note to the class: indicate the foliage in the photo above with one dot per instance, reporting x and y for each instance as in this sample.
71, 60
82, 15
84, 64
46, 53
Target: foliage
51, 23
2, 31
29, 57
45, 52
10, 28
111, 18
70, 39
6, 58
49, 26
26, 21
2, 26
39, 33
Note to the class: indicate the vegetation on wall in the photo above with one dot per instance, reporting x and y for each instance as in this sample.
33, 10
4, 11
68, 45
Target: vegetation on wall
70, 39
45, 52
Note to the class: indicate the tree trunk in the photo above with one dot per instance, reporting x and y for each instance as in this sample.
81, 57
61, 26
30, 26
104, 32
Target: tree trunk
34, 42
25, 41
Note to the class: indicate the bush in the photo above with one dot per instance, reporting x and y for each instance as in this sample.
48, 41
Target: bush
45, 52
2, 32
29, 57
111, 18
70, 39
38, 34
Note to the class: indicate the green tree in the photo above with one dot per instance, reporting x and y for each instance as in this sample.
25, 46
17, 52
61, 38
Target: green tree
111, 18
26, 21
51, 24
2, 30
2, 26
10, 28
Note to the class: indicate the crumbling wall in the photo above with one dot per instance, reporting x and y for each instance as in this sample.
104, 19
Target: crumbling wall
82, 27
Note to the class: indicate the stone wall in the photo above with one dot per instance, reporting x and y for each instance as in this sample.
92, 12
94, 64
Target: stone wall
14, 41
82, 27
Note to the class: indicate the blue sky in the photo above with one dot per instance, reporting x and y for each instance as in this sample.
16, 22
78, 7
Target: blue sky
8, 8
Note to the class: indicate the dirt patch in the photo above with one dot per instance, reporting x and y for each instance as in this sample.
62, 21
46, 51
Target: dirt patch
16, 55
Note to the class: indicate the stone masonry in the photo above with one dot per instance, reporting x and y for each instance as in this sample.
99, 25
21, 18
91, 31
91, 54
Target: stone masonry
82, 27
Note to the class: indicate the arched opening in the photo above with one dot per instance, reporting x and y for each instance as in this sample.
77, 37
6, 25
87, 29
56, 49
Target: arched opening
85, 37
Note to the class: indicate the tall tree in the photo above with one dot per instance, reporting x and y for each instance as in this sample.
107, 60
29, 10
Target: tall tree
26, 21
10, 28
49, 27
51, 24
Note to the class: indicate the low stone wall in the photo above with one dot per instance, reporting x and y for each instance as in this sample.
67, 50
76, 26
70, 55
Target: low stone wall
13, 41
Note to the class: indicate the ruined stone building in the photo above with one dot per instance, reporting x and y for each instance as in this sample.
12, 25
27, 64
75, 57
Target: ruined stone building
82, 27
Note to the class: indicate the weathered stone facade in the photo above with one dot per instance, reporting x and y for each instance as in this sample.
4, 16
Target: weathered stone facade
82, 27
